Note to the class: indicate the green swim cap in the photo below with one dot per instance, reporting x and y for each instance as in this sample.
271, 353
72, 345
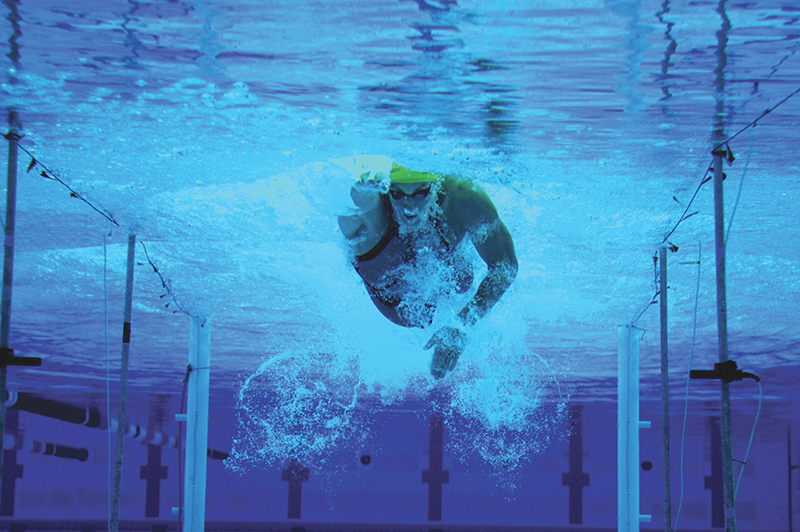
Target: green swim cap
401, 174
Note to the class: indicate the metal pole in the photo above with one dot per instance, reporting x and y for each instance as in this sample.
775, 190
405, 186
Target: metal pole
8, 261
123, 385
719, 235
665, 390
722, 333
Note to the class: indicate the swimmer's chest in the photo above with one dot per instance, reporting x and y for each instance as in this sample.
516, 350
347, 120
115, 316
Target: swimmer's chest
407, 257
397, 254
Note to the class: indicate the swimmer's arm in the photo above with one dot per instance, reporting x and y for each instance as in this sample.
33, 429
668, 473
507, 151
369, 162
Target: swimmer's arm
494, 244
498, 253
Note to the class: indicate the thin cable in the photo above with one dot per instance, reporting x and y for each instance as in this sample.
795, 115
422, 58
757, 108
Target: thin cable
49, 174
652, 302
654, 299
168, 288
741, 185
683, 216
720, 145
705, 179
752, 433
108, 369
691, 358
753, 123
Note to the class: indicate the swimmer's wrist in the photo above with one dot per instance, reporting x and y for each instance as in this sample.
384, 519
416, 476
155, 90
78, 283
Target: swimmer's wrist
467, 317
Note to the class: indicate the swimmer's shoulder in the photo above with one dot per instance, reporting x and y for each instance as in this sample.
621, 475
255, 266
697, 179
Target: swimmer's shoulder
464, 203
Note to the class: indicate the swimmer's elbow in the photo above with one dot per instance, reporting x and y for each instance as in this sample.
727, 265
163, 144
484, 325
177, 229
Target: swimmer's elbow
512, 268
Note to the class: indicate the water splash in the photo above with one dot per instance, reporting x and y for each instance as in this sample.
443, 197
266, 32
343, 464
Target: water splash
509, 406
298, 406
504, 402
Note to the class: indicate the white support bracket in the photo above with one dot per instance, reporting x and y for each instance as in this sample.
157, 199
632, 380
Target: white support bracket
194, 497
628, 426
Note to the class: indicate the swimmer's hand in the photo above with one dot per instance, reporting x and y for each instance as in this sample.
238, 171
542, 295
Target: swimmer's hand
367, 190
448, 343
365, 227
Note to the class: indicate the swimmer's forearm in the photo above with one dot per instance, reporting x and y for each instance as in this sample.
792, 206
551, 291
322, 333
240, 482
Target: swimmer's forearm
491, 289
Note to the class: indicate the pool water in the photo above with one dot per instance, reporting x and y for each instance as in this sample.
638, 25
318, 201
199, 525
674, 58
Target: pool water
224, 136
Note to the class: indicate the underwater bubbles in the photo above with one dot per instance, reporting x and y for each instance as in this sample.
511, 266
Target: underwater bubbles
509, 405
314, 400
298, 406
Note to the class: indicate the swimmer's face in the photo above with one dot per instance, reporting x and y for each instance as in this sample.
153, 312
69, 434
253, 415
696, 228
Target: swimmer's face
411, 203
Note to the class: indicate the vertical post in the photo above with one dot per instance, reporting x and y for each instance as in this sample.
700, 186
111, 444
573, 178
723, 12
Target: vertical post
628, 425
122, 424
719, 236
8, 261
194, 498
665, 389
722, 334
791, 467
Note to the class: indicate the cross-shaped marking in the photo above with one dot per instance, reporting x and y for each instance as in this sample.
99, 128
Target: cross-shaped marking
576, 479
295, 476
11, 469
435, 476
714, 482
153, 473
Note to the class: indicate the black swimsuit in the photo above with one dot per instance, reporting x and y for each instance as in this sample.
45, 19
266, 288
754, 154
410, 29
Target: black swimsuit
388, 271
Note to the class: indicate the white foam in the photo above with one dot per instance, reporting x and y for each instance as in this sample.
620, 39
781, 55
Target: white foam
495, 398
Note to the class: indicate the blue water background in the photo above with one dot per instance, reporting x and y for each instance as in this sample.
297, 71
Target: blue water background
215, 131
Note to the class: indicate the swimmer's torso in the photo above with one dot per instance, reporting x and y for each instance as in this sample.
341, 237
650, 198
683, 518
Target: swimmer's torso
406, 274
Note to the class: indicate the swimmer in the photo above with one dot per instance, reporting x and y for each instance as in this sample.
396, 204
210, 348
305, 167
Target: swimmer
405, 236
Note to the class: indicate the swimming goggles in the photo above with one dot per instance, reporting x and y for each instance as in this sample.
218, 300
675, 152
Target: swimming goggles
399, 194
